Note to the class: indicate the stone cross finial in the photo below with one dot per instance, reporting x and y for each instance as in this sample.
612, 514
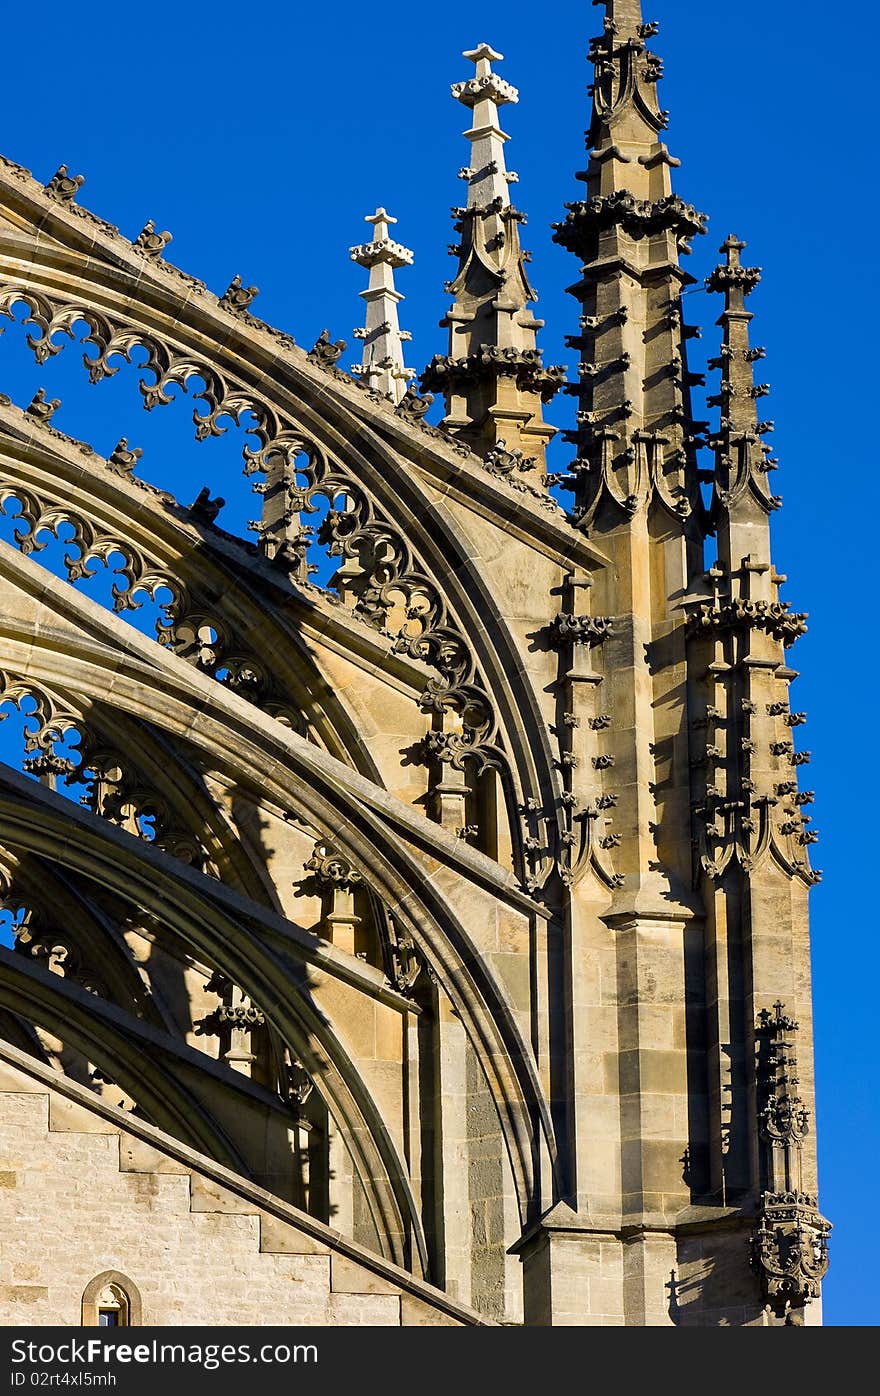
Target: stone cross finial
732, 247
483, 56
382, 367
380, 220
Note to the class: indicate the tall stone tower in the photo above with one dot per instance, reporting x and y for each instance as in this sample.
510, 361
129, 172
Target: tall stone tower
410, 927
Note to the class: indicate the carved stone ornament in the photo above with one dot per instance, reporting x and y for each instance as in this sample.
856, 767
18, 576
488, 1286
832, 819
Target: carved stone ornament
330, 869
63, 186
238, 297
501, 461
121, 460
639, 217
450, 748
204, 509
151, 243
790, 1252
774, 617
413, 408
566, 629
446, 372
327, 352
243, 1016
41, 407
784, 1121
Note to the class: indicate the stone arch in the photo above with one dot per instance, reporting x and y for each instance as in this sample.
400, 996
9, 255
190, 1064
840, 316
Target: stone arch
163, 546
277, 984
42, 886
167, 1103
296, 771
124, 1295
296, 397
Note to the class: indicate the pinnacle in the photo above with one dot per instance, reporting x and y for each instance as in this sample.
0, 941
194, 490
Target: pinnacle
492, 378
486, 85
382, 367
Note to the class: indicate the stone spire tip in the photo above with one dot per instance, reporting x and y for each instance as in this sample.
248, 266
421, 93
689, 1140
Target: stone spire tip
380, 216
486, 85
382, 367
492, 379
483, 53
623, 18
732, 246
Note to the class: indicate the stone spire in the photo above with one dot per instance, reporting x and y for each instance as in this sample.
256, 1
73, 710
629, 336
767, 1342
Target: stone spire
742, 500
635, 476
626, 119
493, 379
382, 366
752, 829
635, 437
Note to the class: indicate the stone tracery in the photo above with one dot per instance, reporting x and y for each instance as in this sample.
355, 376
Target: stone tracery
466, 764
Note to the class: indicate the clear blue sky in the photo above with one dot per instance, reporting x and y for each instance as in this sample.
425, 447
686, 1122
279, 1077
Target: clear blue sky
261, 134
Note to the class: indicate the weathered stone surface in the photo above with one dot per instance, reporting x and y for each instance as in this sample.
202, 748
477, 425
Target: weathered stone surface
432, 915
188, 1247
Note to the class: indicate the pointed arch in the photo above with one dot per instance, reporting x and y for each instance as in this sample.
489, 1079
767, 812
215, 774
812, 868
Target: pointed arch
125, 1298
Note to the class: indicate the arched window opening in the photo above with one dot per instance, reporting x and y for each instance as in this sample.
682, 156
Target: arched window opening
112, 1307
111, 1300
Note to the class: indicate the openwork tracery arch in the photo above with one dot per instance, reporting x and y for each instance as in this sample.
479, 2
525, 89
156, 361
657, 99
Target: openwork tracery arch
311, 786
410, 600
457, 626
448, 899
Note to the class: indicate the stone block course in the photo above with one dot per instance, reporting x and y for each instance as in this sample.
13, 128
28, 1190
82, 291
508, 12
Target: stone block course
84, 1201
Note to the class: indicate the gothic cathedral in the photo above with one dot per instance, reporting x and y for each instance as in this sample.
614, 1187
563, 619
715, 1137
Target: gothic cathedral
419, 938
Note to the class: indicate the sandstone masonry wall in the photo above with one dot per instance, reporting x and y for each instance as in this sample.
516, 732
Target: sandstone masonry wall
85, 1190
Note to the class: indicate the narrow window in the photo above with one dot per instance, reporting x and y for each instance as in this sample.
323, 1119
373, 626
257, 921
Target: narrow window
111, 1300
113, 1307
